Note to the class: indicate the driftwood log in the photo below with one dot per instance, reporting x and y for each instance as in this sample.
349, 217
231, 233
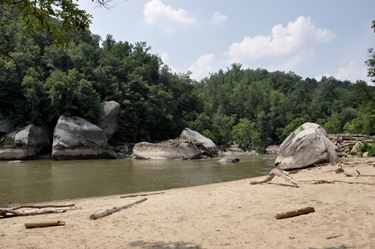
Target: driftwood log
295, 213
333, 181
44, 224
5, 211
135, 195
115, 209
42, 206
279, 173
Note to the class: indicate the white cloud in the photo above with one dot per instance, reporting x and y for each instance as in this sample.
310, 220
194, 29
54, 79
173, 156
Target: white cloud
352, 72
284, 49
204, 65
218, 18
164, 17
165, 58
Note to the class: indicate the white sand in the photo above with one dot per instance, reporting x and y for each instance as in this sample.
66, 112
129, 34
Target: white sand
225, 215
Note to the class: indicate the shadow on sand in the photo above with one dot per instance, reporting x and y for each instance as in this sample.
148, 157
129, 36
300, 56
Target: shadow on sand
165, 245
334, 247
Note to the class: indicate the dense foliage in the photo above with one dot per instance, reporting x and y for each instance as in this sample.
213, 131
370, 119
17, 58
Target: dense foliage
46, 81
243, 105
250, 105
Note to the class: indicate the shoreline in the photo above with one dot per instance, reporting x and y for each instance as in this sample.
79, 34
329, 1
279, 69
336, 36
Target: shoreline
231, 214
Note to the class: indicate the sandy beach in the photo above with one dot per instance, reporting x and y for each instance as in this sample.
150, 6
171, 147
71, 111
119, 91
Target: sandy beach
224, 215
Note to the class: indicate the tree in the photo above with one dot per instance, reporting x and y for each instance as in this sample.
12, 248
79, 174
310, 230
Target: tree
43, 15
371, 62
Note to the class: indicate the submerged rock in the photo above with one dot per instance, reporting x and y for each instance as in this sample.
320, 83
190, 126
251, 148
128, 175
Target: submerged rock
306, 146
229, 159
25, 143
76, 138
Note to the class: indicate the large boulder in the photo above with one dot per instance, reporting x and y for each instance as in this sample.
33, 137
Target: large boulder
108, 117
272, 149
167, 150
306, 146
25, 143
76, 138
203, 143
5, 124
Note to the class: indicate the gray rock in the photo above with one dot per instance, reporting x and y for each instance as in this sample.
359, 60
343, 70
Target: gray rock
273, 149
203, 143
365, 154
234, 148
25, 143
76, 138
306, 146
265, 143
166, 150
108, 117
229, 159
145, 150
189, 150
5, 124
356, 147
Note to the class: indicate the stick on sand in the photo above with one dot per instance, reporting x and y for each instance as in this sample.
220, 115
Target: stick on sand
115, 209
295, 213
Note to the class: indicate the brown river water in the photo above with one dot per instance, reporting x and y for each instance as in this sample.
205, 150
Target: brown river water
47, 180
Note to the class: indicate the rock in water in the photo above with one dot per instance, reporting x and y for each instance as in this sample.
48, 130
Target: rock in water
229, 159
25, 143
108, 117
306, 146
76, 138
165, 150
203, 143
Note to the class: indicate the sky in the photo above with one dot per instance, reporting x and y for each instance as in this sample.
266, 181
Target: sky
310, 38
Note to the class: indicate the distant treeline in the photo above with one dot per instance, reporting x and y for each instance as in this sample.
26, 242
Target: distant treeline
247, 105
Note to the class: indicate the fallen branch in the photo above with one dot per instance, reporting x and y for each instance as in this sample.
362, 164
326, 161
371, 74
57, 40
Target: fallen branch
115, 209
135, 195
279, 173
357, 175
42, 206
333, 181
295, 213
44, 224
4, 211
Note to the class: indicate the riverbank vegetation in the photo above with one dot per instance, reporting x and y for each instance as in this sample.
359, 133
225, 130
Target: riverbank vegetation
43, 81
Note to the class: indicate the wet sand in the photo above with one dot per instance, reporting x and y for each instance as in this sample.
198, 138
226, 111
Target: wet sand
224, 215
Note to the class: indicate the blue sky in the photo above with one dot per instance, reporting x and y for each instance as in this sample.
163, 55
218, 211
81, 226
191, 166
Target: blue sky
310, 38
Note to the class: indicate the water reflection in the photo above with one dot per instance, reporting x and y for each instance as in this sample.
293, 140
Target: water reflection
37, 181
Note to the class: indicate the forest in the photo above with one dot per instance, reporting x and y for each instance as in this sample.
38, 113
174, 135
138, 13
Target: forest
40, 81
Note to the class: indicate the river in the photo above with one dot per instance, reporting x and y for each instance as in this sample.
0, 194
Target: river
46, 180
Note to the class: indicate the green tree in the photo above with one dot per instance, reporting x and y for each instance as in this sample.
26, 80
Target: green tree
72, 95
43, 15
371, 62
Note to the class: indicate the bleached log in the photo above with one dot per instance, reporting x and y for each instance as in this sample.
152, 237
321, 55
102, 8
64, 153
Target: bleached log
295, 213
44, 224
115, 209
279, 173
42, 206
36, 211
